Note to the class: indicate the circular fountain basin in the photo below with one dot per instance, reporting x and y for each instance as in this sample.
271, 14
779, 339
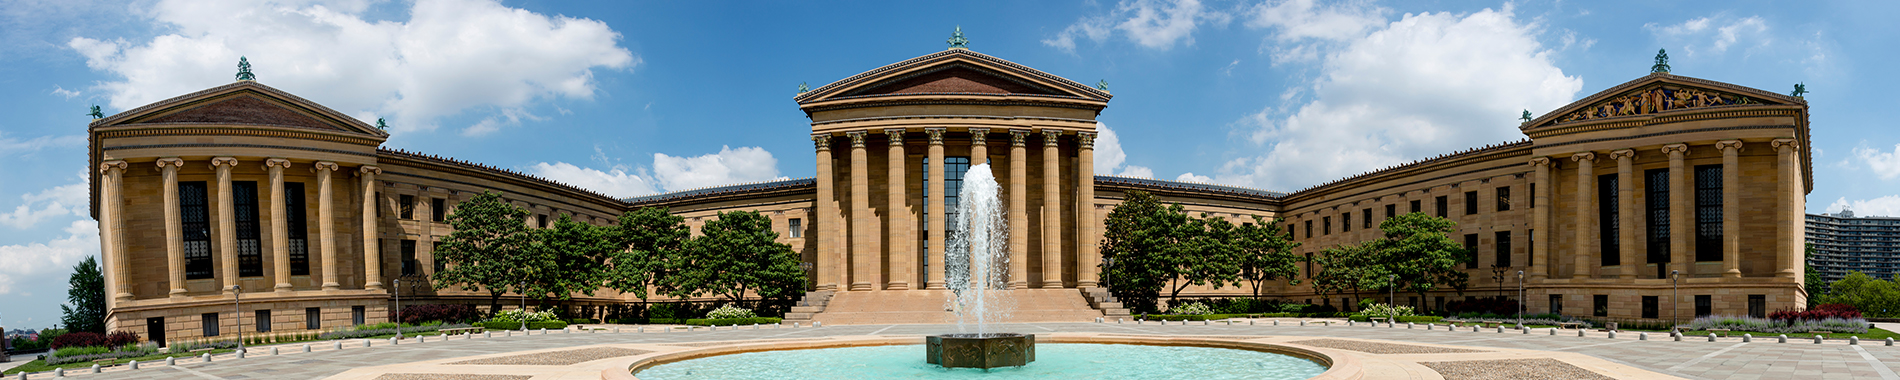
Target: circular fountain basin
1053, 360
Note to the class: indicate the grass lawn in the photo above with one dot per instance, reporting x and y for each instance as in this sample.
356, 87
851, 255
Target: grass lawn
40, 365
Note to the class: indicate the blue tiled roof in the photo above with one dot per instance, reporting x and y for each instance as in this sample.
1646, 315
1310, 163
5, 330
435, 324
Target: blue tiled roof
727, 189
1188, 186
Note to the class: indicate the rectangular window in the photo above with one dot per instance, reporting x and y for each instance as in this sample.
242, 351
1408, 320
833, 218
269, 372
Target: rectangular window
409, 263
1557, 304
1309, 229
953, 170
1530, 258
1415, 207
1533, 201
1607, 220
1656, 213
209, 323
1309, 268
541, 220
1471, 203
1600, 305
1326, 225
312, 318
1504, 249
195, 215
1708, 213
1443, 205
797, 227
1438, 303
1704, 305
438, 210
1504, 198
406, 206
1758, 305
1366, 218
357, 314
1391, 211
296, 218
1345, 222
1471, 248
440, 265
1650, 307
250, 254
263, 320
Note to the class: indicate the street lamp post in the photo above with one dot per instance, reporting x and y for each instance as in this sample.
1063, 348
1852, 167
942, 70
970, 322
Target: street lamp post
1675, 304
398, 282
806, 267
237, 306
524, 306
1520, 300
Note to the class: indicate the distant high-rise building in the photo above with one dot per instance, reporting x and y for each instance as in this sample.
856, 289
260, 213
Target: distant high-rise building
1844, 243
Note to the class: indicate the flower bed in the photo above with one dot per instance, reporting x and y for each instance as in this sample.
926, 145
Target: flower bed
1778, 326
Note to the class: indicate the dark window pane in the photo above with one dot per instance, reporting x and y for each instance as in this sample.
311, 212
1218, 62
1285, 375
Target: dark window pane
438, 209
1656, 206
1708, 213
312, 318
1504, 198
250, 254
295, 215
1471, 202
406, 206
1557, 304
262, 318
409, 263
1365, 217
1704, 305
1443, 206
1345, 222
1415, 207
1650, 307
195, 214
1600, 305
1758, 305
1607, 220
1471, 247
209, 322
1503, 249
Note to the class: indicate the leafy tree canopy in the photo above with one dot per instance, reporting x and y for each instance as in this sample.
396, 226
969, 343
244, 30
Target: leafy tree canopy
651, 237
736, 253
568, 258
1266, 253
86, 292
491, 249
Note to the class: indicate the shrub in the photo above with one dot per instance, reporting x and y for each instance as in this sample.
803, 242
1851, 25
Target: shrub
1379, 309
516, 325
1400, 319
86, 354
79, 339
730, 312
1295, 307
518, 316
439, 313
1778, 326
1822, 312
731, 321
85, 350
384, 329
121, 339
1195, 308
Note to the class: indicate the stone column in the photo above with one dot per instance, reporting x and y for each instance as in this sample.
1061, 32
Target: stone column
174, 226
1540, 219
279, 224
112, 229
227, 223
979, 146
864, 263
897, 214
1626, 214
933, 278
1586, 194
326, 223
1791, 225
1681, 212
372, 250
1018, 209
1051, 209
1731, 207
1086, 259
829, 263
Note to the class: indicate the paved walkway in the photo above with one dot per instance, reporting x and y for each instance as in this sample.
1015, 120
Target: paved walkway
1694, 357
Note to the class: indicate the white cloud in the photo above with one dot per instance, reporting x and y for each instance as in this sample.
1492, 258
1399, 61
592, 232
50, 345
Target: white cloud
71, 199
1423, 85
1301, 28
729, 166
614, 182
449, 57
23, 263
1713, 35
1191, 177
64, 93
16, 147
1109, 155
1155, 24
1882, 206
1885, 165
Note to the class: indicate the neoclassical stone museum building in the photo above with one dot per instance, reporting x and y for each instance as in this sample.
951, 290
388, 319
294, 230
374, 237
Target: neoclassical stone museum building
246, 188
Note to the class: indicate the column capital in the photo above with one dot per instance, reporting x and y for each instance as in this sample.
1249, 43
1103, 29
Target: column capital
1725, 145
857, 138
1787, 144
1622, 154
1085, 139
1584, 156
1018, 137
979, 136
821, 142
1676, 149
1540, 161
277, 162
173, 162
896, 135
224, 161
1050, 136
370, 169
109, 166
936, 135
324, 166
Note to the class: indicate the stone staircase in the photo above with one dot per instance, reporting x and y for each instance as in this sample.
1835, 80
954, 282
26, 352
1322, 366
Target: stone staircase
928, 306
1101, 299
812, 304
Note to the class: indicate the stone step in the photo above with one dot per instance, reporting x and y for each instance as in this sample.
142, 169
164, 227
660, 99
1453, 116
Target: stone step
930, 306
808, 309
797, 316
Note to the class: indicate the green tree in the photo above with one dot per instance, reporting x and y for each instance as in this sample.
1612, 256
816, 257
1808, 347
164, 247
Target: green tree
490, 249
567, 259
1418, 249
1210, 255
649, 237
1266, 253
736, 253
1346, 268
1874, 297
86, 292
1135, 240
1814, 284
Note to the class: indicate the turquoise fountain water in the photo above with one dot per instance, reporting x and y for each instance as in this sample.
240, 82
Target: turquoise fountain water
1053, 361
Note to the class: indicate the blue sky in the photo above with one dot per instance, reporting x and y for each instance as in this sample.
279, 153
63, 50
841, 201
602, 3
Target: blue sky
630, 98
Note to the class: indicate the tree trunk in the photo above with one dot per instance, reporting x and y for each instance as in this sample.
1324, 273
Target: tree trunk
494, 304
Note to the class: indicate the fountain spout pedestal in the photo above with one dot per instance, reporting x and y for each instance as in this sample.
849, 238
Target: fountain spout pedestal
980, 351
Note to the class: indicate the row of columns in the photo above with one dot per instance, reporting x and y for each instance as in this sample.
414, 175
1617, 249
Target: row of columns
1789, 201
112, 217
862, 264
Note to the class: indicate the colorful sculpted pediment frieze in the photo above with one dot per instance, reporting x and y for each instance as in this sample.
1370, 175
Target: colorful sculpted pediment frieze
1654, 99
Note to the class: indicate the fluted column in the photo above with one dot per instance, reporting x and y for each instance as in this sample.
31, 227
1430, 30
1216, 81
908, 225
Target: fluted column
326, 223
1626, 213
1586, 193
1540, 219
829, 262
864, 263
933, 278
1791, 224
897, 214
279, 224
372, 251
112, 229
227, 223
1018, 209
1681, 211
1086, 271
174, 226
979, 146
1731, 207
1051, 209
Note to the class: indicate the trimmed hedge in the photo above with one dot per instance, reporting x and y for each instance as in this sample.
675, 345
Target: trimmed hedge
1406, 318
732, 321
503, 326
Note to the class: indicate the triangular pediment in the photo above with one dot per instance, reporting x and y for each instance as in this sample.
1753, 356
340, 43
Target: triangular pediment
954, 72
1658, 93
242, 103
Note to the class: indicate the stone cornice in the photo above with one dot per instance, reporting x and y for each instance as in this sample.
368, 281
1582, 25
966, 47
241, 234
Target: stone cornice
210, 129
215, 93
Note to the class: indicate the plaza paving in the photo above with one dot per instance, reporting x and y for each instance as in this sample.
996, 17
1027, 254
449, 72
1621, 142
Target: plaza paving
1694, 357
